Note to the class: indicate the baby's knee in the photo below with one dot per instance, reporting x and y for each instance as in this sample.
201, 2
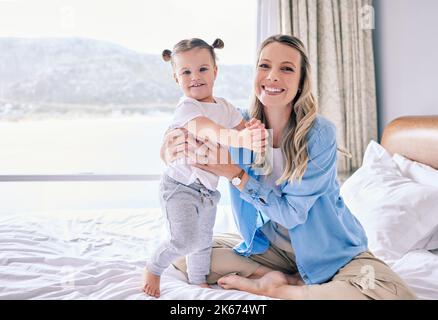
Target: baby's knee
184, 246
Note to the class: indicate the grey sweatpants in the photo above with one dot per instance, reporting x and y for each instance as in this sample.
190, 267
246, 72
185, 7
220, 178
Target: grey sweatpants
190, 213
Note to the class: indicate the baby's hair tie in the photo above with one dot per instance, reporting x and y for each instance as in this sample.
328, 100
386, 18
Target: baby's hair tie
218, 44
167, 54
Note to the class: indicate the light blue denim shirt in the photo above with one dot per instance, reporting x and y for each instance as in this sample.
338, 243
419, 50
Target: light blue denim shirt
324, 234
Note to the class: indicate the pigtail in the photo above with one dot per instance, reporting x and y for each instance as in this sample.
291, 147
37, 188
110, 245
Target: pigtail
167, 55
218, 44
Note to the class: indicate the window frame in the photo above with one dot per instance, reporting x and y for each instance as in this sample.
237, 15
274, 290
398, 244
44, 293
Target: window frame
78, 177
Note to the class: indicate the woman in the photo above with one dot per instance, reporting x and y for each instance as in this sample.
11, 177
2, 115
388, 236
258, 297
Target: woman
298, 239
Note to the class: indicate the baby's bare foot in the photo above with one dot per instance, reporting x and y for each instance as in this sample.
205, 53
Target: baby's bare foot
204, 285
151, 284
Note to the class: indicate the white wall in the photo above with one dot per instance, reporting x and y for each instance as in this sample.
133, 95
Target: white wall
406, 53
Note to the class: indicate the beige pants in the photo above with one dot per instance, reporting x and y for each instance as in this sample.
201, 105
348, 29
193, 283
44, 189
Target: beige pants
364, 277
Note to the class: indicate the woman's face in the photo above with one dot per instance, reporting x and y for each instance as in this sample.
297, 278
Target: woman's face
278, 75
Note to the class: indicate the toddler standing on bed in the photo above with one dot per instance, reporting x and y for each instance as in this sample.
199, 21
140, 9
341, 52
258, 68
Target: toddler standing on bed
188, 194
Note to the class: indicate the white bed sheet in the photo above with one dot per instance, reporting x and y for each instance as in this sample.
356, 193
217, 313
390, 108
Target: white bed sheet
419, 269
91, 255
101, 255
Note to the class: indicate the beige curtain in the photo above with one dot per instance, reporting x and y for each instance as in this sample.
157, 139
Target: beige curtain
338, 37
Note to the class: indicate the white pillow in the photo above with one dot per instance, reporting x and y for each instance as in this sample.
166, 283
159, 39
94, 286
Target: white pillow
396, 212
418, 172
423, 174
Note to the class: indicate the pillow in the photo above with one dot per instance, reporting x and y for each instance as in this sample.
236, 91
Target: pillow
396, 212
423, 174
418, 172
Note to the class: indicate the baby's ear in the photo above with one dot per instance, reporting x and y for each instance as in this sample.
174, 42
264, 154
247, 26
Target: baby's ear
215, 72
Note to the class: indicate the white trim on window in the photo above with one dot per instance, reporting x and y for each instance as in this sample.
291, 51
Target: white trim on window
79, 177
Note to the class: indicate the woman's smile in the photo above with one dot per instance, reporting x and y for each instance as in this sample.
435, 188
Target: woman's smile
272, 91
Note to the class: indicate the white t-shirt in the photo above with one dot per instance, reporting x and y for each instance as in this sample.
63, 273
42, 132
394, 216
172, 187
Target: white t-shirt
223, 113
277, 234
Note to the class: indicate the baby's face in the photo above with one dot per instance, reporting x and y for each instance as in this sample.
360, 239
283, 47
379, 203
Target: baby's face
195, 72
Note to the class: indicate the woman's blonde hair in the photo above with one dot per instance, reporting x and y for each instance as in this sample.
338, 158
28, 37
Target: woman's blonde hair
294, 137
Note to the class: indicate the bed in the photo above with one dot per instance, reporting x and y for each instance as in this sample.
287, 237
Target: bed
92, 255
101, 254
394, 194
416, 138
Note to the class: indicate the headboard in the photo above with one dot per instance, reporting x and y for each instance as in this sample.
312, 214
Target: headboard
414, 137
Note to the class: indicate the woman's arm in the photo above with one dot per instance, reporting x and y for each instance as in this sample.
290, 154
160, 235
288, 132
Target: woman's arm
292, 206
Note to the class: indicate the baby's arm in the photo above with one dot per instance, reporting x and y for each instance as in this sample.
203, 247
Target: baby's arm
241, 125
203, 127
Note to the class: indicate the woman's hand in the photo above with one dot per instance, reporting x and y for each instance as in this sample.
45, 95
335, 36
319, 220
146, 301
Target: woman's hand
206, 155
177, 144
214, 158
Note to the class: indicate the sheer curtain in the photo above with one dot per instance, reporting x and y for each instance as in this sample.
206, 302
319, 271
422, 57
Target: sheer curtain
338, 37
268, 22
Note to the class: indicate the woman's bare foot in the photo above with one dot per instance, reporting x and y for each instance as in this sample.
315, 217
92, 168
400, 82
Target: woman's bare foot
260, 272
295, 279
151, 284
257, 286
273, 284
292, 279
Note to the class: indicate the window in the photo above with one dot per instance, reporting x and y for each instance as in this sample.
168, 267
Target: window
85, 97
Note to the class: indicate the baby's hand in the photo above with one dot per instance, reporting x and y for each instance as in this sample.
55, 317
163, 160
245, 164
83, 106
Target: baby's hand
254, 124
254, 136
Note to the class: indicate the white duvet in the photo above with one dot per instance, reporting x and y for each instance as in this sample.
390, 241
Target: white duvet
101, 255
419, 268
91, 255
